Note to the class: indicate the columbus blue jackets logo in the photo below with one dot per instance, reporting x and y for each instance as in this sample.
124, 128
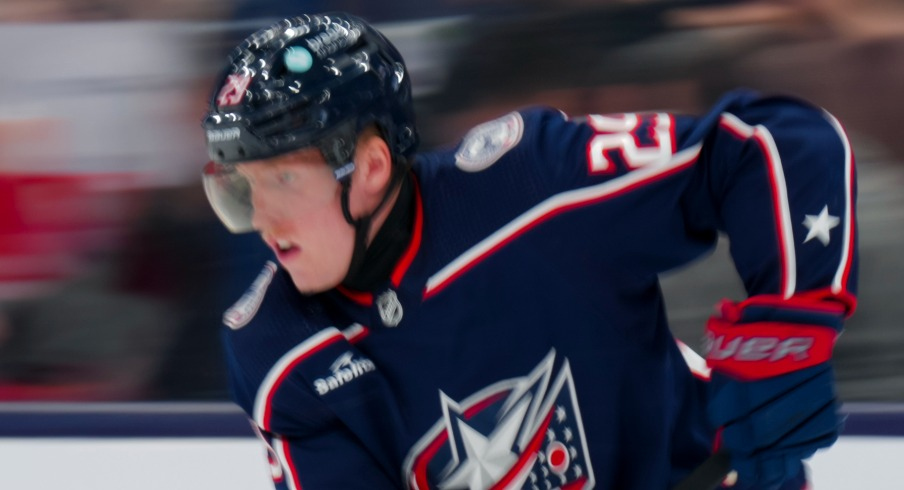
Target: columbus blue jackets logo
520, 433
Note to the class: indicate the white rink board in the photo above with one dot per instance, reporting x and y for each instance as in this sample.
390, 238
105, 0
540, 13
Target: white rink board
860, 463
868, 463
134, 464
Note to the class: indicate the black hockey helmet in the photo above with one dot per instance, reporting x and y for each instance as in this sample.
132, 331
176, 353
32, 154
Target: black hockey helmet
308, 81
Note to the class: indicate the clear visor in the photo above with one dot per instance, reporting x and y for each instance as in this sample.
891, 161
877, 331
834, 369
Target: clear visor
229, 194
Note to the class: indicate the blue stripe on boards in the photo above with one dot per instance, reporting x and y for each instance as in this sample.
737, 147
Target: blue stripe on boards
226, 420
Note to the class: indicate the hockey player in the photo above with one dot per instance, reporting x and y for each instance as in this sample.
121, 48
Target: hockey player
488, 315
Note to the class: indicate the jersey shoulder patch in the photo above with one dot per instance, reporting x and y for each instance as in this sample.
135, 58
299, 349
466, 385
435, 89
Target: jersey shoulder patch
487, 142
239, 314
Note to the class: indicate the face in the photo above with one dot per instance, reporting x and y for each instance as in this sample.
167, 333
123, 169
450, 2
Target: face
298, 213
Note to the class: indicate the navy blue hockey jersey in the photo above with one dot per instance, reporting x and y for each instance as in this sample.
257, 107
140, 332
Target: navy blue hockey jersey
521, 341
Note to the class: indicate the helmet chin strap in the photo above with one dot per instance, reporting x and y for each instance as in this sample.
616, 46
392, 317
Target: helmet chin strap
363, 223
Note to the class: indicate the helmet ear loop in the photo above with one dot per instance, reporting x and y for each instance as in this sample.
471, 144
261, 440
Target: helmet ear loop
362, 224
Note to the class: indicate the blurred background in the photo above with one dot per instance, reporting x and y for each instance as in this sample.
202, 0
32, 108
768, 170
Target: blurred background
114, 272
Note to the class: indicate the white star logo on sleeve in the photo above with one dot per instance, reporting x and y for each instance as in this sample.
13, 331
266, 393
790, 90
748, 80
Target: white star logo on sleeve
820, 226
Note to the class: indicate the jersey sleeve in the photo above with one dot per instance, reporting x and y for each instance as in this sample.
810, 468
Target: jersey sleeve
784, 188
322, 402
328, 459
774, 175
316, 399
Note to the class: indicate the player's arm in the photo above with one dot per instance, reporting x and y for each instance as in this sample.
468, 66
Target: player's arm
780, 178
329, 459
326, 414
774, 175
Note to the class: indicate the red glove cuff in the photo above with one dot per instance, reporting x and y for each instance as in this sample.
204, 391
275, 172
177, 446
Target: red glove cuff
759, 350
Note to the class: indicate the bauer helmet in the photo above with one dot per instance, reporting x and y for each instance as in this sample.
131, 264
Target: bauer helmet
308, 81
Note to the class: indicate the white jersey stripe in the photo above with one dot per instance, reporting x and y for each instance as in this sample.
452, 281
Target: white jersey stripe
355, 332
282, 367
782, 212
736, 125
281, 448
553, 204
838, 283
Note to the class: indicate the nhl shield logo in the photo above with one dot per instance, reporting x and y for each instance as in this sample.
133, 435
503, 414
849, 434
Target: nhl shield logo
522, 433
390, 308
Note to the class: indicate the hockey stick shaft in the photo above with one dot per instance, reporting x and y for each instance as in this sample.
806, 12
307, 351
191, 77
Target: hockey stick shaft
709, 474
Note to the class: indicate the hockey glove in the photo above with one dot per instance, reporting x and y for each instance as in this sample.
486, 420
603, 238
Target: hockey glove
772, 389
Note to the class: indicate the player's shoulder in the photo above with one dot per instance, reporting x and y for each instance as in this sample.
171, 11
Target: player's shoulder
749, 108
486, 143
509, 137
271, 303
243, 311
272, 330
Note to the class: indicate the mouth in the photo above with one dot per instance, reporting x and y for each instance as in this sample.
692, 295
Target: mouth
284, 249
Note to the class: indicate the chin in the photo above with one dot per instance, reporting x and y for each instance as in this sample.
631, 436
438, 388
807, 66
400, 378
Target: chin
308, 287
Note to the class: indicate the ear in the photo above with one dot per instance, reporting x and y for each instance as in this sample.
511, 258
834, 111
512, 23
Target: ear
373, 165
